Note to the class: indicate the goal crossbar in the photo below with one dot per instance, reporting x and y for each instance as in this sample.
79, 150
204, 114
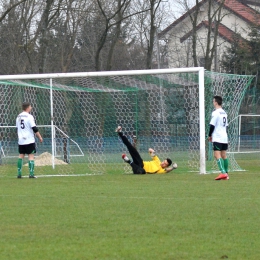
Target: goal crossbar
100, 73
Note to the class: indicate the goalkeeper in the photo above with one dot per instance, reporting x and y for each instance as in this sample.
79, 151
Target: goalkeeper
142, 167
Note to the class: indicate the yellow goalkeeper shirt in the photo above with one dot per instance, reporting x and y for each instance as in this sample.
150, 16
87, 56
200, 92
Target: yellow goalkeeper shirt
153, 166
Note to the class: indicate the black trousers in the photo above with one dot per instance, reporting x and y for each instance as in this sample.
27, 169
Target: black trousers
137, 164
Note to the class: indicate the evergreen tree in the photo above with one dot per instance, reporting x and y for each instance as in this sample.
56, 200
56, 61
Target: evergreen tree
254, 49
243, 57
236, 59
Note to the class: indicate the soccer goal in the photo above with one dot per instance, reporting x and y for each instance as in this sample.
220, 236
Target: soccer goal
77, 113
249, 133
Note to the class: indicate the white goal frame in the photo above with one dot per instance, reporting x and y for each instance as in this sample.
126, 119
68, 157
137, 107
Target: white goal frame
53, 144
239, 131
199, 70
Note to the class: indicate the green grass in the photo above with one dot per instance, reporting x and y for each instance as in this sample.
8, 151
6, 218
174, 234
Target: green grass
176, 216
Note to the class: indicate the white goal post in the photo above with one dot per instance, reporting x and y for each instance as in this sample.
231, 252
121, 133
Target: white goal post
167, 108
252, 132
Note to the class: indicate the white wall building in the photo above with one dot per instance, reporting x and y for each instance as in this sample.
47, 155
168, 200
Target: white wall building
236, 18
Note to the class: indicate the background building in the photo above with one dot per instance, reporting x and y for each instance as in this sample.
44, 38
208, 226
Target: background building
201, 36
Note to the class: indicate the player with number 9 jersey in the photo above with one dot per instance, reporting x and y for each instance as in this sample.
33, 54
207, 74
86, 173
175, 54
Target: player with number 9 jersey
218, 136
219, 120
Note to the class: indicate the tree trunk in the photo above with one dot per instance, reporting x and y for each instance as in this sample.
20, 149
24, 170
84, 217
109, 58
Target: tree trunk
44, 37
194, 34
115, 38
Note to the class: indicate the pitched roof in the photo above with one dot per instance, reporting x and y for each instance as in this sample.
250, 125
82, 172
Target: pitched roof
251, 2
243, 11
223, 32
226, 33
167, 29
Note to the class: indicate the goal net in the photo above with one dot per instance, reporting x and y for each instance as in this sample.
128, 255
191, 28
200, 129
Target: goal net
77, 113
232, 88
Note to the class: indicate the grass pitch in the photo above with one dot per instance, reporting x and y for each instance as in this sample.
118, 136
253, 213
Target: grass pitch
176, 216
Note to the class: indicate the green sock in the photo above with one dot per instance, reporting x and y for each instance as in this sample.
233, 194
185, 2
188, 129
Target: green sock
31, 168
221, 165
19, 166
226, 164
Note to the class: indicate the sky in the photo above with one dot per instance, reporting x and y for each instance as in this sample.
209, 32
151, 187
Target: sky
176, 9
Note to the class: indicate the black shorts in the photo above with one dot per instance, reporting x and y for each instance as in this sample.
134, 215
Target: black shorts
219, 146
27, 149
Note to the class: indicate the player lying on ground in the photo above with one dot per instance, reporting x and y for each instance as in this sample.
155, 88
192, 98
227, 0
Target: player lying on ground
142, 167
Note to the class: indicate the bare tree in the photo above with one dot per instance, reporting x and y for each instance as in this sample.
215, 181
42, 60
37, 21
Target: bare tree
119, 19
214, 19
67, 29
154, 7
194, 21
51, 11
196, 33
11, 36
11, 6
109, 21
77, 35
114, 16
147, 25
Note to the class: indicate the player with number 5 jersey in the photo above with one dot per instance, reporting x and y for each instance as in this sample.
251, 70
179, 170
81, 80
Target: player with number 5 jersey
26, 130
25, 123
218, 136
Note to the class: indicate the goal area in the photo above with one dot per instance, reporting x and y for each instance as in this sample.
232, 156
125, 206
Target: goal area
77, 113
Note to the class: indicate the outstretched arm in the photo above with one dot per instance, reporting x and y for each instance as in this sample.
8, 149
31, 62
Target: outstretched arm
172, 167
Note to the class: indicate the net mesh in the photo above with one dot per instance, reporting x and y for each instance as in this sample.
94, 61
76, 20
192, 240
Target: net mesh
232, 88
162, 110
249, 135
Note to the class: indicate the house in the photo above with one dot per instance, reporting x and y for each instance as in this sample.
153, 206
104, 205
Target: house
236, 18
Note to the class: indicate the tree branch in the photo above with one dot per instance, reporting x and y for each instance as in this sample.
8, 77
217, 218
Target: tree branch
10, 9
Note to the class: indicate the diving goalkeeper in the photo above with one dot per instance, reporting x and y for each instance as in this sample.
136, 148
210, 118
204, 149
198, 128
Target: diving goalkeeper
142, 167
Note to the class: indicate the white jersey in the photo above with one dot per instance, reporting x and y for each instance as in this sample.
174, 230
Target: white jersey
219, 120
24, 124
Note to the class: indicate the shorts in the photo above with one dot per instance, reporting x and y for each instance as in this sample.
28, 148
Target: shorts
27, 149
219, 146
